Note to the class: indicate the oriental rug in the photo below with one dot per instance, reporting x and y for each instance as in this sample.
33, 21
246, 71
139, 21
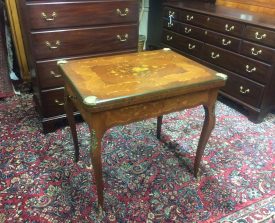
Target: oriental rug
146, 180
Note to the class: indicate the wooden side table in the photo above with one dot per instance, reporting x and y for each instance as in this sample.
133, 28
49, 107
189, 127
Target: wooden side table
116, 90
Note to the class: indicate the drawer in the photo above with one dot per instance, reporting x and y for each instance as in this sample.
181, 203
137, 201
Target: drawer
46, 15
225, 26
193, 18
258, 52
183, 43
223, 41
247, 67
185, 29
244, 90
184, 16
53, 102
49, 75
263, 36
83, 41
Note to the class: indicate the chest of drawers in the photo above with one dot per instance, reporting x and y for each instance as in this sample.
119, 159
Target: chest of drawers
55, 31
238, 43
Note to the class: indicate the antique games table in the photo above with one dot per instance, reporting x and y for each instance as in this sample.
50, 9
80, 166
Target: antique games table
120, 89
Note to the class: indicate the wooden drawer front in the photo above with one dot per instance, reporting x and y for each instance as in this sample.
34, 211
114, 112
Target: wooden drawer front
185, 29
249, 68
58, 14
184, 16
83, 41
257, 51
225, 26
244, 90
259, 35
53, 102
193, 18
224, 41
180, 42
49, 75
188, 30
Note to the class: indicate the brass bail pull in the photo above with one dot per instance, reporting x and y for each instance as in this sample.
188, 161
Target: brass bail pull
250, 70
55, 75
229, 28
189, 18
125, 13
258, 36
51, 18
57, 44
244, 91
122, 39
225, 43
187, 30
255, 52
56, 101
169, 38
191, 47
215, 56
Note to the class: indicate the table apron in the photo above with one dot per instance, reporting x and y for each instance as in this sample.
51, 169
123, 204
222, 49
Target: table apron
145, 110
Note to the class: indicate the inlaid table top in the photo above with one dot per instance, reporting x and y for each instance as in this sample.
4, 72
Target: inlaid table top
116, 80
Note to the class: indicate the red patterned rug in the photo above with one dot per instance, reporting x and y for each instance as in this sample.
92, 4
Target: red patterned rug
6, 89
146, 180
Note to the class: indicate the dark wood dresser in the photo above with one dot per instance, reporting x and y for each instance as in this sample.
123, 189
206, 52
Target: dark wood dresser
235, 42
55, 31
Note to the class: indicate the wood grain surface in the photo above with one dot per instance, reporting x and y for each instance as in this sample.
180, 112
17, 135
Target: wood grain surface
260, 6
117, 79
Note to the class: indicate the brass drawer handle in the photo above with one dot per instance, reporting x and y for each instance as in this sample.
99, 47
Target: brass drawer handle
246, 91
169, 38
122, 39
250, 70
258, 36
225, 43
55, 75
125, 13
215, 56
171, 17
254, 52
170, 24
191, 47
57, 44
171, 14
189, 18
52, 18
61, 62
186, 30
56, 101
228, 29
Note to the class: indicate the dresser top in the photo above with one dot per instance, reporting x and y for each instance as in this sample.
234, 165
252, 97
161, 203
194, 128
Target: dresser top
137, 76
246, 16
